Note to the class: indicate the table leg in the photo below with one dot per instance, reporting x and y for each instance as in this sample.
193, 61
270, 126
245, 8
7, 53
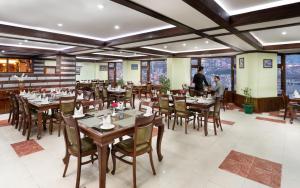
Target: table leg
102, 160
133, 101
160, 134
140, 94
39, 124
205, 122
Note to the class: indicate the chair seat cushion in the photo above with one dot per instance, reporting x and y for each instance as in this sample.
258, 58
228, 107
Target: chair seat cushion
127, 146
87, 145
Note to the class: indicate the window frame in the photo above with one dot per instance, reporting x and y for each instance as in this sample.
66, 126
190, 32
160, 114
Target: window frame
148, 67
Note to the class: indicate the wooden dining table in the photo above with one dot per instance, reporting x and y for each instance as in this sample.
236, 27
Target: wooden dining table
124, 125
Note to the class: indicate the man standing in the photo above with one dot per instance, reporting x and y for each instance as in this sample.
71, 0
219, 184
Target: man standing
219, 88
198, 79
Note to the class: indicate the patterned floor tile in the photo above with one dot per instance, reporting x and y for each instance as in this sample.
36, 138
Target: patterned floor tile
26, 147
4, 123
256, 169
271, 120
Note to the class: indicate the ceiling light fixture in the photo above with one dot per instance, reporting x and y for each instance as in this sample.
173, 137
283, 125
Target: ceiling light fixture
60, 24
207, 42
196, 47
25, 40
2, 51
20, 43
100, 6
117, 27
184, 44
284, 33
165, 47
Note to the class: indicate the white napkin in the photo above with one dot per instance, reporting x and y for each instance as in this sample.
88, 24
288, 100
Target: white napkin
296, 94
148, 111
78, 112
80, 96
45, 100
168, 92
107, 121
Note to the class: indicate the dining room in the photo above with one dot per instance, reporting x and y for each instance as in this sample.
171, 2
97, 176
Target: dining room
139, 93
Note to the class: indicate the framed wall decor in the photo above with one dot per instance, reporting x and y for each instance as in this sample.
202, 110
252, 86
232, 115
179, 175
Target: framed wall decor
134, 66
268, 63
241, 63
103, 67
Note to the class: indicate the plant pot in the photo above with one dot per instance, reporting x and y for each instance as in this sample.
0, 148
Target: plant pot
248, 108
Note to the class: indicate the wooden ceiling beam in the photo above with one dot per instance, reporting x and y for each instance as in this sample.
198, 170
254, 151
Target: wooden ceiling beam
217, 14
266, 15
204, 52
149, 12
282, 46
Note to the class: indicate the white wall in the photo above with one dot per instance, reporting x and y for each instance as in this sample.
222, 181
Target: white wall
131, 75
261, 81
179, 71
91, 71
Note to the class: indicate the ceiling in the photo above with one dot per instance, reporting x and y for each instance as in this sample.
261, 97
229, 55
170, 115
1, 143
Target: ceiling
114, 29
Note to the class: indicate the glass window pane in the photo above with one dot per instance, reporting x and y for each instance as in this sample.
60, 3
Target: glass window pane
3, 66
194, 61
144, 74
157, 69
119, 71
220, 67
144, 63
292, 73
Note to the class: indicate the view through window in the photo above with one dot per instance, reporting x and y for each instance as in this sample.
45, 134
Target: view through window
292, 73
220, 67
157, 69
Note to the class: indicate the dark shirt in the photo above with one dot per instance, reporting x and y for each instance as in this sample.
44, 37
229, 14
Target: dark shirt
198, 80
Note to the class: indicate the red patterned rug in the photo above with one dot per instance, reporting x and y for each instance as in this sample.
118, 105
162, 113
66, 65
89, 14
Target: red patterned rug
26, 147
254, 168
4, 123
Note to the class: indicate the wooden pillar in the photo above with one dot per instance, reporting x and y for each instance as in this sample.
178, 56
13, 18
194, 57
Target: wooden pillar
232, 72
283, 72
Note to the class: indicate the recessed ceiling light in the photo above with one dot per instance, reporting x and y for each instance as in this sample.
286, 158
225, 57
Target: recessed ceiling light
20, 43
207, 42
100, 6
165, 46
196, 47
184, 44
60, 24
117, 27
283, 32
2, 51
25, 40
121, 52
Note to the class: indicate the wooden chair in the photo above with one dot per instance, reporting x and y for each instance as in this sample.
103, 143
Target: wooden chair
97, 93
165, 108
181, 111
31, 118
66, 107
94, 105
11, 107
285, 102
22, 115
147, 91
128, 97
140, 144
224, 100
214, 115
15, 117
76, 146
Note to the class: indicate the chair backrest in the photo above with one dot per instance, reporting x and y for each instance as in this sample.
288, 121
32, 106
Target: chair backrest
144, 104
71, 133
15, 103
67, 105
128, 93
104, 93
143, 130
179, 103
87, 95
149, 87
27, 112
96, 104
97, 93
20, 104
163, 101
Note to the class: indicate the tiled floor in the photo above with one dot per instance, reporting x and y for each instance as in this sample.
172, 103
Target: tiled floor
191, 160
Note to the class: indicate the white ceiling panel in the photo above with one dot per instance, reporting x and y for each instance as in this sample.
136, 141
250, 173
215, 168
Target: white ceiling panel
234, 7
79, 18
278, 35
215, 55
188, 46
32, 44
237, 42
180, 11
150, 42
269, 24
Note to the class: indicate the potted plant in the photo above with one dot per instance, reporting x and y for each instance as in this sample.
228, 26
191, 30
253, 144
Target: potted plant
248, 105
165, 84
120, 83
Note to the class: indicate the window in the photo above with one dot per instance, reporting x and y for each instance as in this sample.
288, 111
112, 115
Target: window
220, 67
157, 69
15, 65
115, 71
152, 70
292, 73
